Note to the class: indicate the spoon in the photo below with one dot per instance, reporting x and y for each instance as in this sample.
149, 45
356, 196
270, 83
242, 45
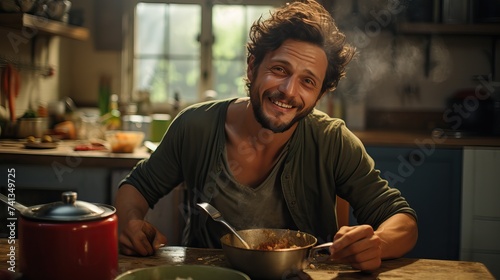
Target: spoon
217, 216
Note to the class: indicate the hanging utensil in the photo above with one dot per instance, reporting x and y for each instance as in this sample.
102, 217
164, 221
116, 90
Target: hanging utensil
10, 87
6, 85
14, 90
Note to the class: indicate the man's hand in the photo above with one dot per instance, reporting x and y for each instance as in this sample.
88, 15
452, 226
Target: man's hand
140, 238
357, 246
364, 249
136, 236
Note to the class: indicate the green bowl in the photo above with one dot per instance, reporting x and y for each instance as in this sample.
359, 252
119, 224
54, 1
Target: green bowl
176, 272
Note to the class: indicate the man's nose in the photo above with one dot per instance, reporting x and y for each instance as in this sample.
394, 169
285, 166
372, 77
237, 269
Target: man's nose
289, 85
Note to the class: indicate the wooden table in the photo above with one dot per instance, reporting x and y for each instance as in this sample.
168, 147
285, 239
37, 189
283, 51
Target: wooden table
402, 268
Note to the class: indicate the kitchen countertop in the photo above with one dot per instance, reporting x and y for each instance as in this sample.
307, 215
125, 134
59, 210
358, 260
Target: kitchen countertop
402, 268
405, 138
14, 152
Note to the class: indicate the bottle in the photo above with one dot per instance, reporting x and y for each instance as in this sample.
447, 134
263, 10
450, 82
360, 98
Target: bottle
177, 103
104, 94
113, 121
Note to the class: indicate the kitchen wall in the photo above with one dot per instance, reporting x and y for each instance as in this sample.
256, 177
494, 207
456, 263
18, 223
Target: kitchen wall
390, 64
390, 72
86, 65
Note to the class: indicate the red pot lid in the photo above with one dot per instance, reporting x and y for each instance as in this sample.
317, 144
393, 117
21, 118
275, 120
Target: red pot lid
69, 209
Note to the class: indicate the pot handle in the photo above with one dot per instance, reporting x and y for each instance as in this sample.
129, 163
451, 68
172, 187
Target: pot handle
314, 252
12, 203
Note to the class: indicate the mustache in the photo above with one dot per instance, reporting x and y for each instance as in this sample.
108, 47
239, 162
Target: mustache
280, 96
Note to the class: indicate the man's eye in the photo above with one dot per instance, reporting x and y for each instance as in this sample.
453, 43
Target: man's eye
279, 69
310, 82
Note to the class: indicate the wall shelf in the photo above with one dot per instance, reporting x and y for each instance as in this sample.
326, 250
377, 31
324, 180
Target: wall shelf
448, 29
18, 21
428, 30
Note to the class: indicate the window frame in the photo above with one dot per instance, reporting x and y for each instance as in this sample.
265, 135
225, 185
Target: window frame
206, 81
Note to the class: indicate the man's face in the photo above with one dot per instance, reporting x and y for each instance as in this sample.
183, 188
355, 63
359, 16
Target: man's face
286, 86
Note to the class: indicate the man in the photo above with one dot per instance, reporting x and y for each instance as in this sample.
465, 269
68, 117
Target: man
271, 160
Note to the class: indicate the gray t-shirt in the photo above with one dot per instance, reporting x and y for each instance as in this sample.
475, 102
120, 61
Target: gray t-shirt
247, 207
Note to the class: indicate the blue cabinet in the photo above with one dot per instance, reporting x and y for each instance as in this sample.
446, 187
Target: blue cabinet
430, 179
36, 184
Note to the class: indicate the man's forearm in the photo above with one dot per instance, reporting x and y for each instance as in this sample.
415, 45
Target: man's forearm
130, 205
398, 234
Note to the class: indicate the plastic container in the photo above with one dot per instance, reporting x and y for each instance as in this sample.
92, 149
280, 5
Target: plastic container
124, 141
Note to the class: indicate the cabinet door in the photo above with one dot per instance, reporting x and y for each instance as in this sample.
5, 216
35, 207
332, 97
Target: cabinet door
430, 180
480, 208
91, 184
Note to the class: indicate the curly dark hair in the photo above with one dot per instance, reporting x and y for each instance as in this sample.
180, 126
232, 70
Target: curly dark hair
306, 21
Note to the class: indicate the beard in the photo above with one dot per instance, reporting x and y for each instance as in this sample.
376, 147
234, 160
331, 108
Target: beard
274, 124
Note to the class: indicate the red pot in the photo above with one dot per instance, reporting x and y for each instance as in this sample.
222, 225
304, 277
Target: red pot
68, 240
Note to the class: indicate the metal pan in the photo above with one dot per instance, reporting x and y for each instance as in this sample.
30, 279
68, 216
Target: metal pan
273, 253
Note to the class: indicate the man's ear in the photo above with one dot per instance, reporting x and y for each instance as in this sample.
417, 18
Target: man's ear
250, 67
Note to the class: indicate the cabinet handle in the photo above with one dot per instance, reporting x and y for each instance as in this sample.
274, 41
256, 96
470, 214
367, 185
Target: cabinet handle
414, 157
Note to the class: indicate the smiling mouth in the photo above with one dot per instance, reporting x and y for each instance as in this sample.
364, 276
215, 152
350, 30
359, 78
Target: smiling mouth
281, 104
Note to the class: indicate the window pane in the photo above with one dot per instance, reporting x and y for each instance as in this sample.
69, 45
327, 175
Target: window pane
228, 28
231, 25
185, 27
165, 77
229, 78
184, 79
255, 12
167, 52
150, 73
151, 26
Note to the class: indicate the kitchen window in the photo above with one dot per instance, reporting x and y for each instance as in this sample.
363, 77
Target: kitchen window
189, 47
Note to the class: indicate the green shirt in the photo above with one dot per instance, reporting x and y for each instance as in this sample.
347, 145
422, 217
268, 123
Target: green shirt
324, 160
